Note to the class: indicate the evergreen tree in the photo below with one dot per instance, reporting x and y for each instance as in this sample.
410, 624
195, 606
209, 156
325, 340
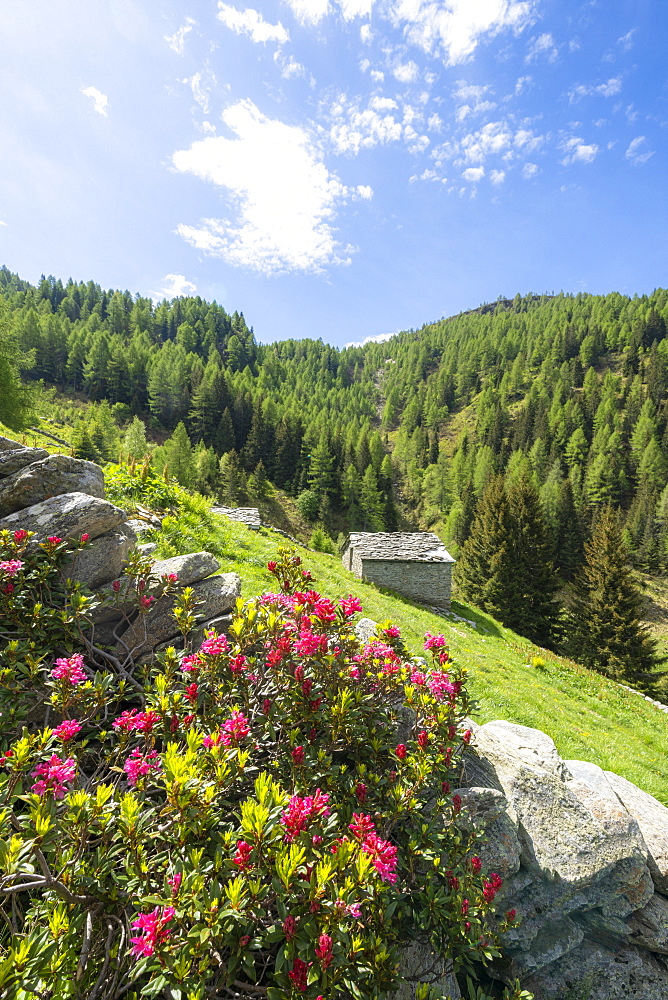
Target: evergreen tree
233, 484
371, 502
135, 444
485, 573
533, 612
258, 483
607, 631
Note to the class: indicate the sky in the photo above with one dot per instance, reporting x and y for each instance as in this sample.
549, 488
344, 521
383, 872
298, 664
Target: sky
336, 169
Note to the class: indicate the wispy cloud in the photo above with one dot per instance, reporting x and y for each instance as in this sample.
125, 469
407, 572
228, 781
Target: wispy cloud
637, 152
381, 338
626, 41
610, 88
472, 100
290, 67
309, 11
285, 196
406, 72
454, 30
178, 39
175, 285
542, 47
100, 100
575, 150
201, 85
473, 174
353, 127
529, 170
250, 22
497, 177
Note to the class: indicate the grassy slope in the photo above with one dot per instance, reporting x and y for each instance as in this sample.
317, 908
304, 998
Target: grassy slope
589, 717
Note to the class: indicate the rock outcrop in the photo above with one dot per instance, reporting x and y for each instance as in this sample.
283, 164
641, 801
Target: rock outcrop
583, 854
59, 496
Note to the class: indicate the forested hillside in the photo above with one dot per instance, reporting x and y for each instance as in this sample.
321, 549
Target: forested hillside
565, 393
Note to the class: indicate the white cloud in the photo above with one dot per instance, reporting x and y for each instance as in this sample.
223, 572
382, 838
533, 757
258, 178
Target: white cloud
542, 47
406, 72
100, 100
284, 195
626, 41
174, 286
610, 88
309, 11
201, 89
529, 170
290, 67
497, 176
177, 40
637, 153
471, 100
355, 8
251, 23
577, 151
377, 75
353, 127
366, 34
364, 191
454, 28
474, 174
2, 223
522, 83
380, 339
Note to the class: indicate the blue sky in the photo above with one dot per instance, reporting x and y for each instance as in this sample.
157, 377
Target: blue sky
336, 168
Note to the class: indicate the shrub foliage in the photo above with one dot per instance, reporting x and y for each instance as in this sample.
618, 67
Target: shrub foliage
269, 814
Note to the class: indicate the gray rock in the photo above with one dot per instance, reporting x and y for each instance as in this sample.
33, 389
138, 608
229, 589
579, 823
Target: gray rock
67, 516
648, 928
103, 560
17, 458
611, 932
652, 818
51, 477
365, 629
140, 527
419, 964
189, 568
147, 549
497, 844
217, 595
554, 939
7, 444
597, 973
529, 745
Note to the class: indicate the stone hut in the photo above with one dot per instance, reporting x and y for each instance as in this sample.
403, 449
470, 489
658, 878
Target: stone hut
415, 564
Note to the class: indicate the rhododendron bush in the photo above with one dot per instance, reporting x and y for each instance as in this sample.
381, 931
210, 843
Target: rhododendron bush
266, 814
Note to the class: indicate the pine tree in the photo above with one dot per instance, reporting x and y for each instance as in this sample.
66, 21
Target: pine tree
607, 632
134, 442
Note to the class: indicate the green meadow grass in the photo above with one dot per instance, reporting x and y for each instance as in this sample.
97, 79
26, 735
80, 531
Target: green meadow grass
588, 716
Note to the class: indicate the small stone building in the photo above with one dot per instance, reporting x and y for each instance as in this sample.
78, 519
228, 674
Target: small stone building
415, 564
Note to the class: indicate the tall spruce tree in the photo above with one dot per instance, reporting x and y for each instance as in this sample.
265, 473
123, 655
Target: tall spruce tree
485, 572
533, 612
607, 632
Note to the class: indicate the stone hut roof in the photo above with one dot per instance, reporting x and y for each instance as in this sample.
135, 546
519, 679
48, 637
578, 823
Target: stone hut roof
401, 546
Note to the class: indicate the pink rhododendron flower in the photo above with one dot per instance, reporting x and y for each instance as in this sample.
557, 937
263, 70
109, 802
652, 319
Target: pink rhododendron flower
243, 941
215, 645
475, 863
392, 632
146, 602
140, 765
174, 882
190, 663
70, 669
235, 728
362, 825
133, 720
241, 858
10, 567
360, 792
54, 776
310, 645
440, 685
434, 641
298, 755
324, 610
20, 535
54, 540
298, 974
323, 952
116, 586
401, 751
271, 566
289, 928
491, 886
191, 693
237, 664
67, 730
215, 740
85, 536
154, 931
383, 855
266, 706
423, 739
349, 605
300, 812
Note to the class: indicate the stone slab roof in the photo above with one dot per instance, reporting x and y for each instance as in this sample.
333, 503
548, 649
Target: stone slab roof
250, 516
416, 546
